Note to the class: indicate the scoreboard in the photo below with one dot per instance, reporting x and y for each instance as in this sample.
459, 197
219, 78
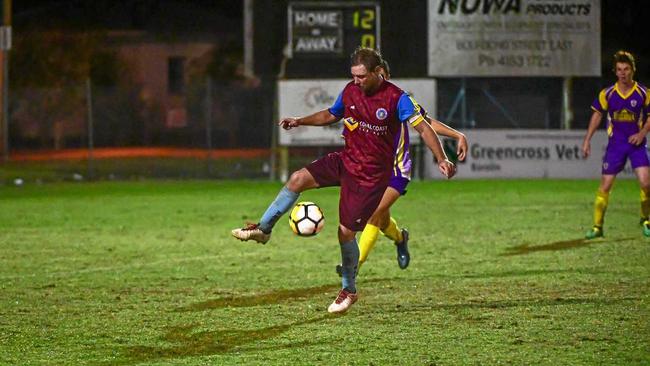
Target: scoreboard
332, 29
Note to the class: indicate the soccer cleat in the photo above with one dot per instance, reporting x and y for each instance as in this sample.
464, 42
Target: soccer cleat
403, 256
595, 232
343, 302
646, 228
251, 232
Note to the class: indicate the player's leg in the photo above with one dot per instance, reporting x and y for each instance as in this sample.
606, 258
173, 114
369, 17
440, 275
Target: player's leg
349, 261
389, 226
614, 161
323, 172
299, 181
379, 219
355, 208
643, 173
600, 206
640, 162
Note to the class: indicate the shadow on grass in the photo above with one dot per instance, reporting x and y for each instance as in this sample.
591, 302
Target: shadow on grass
506, 304
559, 245
276, 297
190, 343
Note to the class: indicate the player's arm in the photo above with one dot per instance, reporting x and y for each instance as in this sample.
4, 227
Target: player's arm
594, 122
599, 106
430, 138
321, 118
444, 130
638, 137
408, 110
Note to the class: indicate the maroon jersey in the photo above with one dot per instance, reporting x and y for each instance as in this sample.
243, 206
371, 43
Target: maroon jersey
373, 124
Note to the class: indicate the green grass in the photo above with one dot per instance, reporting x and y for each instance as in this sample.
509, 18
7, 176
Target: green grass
132, 169
146, 273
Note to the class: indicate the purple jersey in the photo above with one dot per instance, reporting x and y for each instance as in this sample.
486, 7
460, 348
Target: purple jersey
626, 113
375, 127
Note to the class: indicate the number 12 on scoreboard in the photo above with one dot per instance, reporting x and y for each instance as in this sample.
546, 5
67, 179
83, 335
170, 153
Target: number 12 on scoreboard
365, 20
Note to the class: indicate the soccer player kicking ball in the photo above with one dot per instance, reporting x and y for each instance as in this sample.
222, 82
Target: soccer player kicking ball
374, 112
627, 106
381, 219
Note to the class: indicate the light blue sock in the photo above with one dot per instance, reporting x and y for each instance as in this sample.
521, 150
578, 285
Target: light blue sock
282, 203
349, 261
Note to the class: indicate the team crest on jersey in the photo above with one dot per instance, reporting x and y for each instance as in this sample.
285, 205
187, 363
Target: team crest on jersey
633, 103
381, 114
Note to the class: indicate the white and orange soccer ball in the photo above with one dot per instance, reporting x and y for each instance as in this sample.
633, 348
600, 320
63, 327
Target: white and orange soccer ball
306, 219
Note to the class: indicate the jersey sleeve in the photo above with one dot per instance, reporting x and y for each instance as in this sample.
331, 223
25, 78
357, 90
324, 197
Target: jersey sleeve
600, 103
408, 110
338, 109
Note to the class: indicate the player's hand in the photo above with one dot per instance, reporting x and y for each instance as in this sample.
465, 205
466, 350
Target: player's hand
461, 150
289, 123
586, 149
447, 168
636, 139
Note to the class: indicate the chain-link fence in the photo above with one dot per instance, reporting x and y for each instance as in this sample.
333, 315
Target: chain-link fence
224, 129
212, 130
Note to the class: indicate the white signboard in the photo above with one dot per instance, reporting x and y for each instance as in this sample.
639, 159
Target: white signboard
299, 98
528, 154
514, 37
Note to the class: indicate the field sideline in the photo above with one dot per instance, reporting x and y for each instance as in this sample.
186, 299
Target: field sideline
146, 273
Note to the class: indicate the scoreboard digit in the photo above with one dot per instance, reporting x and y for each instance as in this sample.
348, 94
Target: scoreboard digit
332, 29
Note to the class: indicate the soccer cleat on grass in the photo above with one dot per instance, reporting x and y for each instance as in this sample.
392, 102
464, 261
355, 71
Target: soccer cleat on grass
646, 228
403, 256
343, 302
251, 232
595, 232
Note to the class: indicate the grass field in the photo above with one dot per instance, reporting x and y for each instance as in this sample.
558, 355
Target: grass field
146, 273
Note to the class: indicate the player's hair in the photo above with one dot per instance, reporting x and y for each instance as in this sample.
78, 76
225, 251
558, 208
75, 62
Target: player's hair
384, 65
368, 57
623, 57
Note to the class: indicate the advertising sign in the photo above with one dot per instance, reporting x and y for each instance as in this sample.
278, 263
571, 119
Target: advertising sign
514, 38
528, 154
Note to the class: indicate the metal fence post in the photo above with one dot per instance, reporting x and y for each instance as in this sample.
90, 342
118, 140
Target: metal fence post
208, 123
91, 143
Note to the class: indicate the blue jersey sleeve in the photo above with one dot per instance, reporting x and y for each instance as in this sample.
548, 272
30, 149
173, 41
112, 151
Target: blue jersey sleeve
409, 110
337, 109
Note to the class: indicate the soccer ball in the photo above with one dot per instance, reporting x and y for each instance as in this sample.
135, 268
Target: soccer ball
306, 219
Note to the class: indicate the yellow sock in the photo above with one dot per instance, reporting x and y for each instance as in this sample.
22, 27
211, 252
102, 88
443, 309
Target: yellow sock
600, 206
367, 241
645, 204
393, 232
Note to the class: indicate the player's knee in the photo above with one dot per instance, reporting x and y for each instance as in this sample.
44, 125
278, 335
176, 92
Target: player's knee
298, 181
345, 234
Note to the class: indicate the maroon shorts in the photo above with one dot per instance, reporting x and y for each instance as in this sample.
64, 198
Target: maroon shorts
356, 202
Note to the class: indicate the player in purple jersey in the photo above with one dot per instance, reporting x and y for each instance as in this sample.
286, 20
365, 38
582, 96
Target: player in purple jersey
374, 111
626, 105
381, 219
